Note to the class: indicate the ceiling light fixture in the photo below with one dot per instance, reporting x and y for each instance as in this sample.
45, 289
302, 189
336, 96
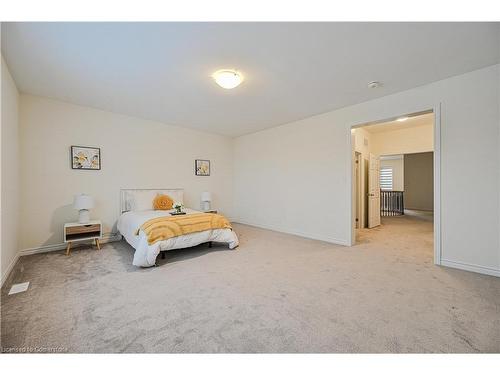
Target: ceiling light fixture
227, 79
401, 119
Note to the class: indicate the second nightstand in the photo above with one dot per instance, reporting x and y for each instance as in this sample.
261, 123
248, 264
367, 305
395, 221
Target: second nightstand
82, 232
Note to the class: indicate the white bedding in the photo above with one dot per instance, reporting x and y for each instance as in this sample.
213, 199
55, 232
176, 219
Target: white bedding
145, 255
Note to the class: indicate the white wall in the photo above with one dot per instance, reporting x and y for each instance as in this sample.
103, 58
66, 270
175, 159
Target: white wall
397, 165
135, 153
363, 142
297, 177
410, 140
10, 177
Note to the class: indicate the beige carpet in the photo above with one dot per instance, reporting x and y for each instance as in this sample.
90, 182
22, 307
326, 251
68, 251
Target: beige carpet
276, 293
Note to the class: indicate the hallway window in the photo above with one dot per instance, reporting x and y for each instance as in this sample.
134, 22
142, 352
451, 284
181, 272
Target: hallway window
386, 178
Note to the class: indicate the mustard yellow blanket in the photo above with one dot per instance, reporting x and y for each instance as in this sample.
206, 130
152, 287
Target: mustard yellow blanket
165, 227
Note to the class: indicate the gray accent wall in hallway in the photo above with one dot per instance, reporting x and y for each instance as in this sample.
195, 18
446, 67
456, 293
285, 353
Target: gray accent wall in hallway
419, 181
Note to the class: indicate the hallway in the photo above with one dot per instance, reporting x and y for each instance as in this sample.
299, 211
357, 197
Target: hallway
409, 235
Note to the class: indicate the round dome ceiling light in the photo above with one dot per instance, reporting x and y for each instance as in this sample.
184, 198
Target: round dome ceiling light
227, 79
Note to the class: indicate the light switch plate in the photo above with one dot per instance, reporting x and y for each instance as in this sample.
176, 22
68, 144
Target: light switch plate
18, 288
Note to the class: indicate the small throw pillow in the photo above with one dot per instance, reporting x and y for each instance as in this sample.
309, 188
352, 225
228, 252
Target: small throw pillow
162, 202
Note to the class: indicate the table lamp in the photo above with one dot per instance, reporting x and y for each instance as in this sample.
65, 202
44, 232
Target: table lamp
83, 203
206, 198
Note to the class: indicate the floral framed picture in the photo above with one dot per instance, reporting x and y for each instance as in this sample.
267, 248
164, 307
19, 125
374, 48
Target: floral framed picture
85, 157
202, 167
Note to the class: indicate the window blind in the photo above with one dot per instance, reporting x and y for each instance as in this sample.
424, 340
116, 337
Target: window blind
386, 178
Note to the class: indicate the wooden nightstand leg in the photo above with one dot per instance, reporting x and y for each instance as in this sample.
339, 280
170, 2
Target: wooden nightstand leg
98, 244
68, 248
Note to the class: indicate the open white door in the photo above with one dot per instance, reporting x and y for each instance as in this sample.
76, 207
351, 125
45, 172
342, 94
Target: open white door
374, 192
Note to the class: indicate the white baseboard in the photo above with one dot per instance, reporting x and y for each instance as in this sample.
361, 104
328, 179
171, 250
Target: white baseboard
107, 237
10, 267
281, 229
471, 267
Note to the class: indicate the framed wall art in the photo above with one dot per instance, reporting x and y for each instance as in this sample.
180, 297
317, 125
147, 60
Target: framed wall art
85, 157
202, 167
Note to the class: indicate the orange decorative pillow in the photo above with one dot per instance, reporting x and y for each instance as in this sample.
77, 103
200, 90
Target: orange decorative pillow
162, 202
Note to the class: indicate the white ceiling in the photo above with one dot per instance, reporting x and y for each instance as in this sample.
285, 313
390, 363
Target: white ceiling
420, 120
161, 71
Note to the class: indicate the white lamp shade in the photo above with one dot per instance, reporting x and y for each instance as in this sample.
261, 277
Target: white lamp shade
206, 196
83, 202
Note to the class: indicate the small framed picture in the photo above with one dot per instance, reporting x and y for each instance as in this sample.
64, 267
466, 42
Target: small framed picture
202, 167
85, 157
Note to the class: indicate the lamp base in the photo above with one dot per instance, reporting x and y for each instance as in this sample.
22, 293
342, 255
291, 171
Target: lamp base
205, 206
83, 216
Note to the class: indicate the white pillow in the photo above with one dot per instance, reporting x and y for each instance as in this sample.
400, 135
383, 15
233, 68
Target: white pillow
176, 195
142, 200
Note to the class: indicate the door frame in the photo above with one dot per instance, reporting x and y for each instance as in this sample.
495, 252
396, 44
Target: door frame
358, 159
436, 110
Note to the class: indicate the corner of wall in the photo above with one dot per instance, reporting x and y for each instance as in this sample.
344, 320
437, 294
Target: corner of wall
9, 180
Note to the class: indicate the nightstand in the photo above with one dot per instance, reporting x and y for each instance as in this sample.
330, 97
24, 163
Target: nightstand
82, 232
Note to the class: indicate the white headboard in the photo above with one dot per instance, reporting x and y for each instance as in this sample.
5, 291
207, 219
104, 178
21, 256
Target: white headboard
127, 195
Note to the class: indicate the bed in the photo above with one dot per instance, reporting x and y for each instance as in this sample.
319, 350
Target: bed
135, 211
